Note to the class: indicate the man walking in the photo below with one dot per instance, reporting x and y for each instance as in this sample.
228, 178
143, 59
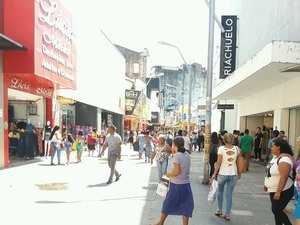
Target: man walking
246, 144
113, 143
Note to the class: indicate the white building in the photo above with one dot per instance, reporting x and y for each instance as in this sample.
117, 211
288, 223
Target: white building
266, 78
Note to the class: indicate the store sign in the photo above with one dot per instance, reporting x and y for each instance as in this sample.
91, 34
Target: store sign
55, 50
228, 46
65, 101
131, 98
34, 85
155, 117
225, 106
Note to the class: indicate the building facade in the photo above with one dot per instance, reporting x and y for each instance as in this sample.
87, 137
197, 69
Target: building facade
264, 84
32, 77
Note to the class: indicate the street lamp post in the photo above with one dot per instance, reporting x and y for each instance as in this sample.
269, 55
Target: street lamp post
190, 83
209, 91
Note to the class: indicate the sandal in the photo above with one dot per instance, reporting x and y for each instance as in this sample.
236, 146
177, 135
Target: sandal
227, 218
219, 213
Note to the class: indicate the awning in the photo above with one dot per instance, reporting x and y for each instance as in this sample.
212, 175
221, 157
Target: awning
277, 62
8, 44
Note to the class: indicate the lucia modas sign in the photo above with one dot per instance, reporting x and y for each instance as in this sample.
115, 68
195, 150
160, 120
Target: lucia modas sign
228, 46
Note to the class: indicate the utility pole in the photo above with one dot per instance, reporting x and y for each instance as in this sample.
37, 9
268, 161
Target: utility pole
190, 101
209, 91
182, 100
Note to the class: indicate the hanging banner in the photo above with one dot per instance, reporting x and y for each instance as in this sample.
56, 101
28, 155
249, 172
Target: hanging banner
131, 98
228, 46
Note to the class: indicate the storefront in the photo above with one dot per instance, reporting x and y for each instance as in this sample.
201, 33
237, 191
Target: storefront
32, 77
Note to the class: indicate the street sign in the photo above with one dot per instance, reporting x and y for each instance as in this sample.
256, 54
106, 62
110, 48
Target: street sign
225, 106
200, 107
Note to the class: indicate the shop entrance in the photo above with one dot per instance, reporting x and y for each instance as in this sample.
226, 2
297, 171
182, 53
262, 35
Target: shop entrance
26, 117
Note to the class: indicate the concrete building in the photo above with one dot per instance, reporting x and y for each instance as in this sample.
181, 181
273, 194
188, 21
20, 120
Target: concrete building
174, 95
265, 82
136, 106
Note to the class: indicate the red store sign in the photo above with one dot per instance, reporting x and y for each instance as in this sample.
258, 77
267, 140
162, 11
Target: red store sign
55, 52
36, 86
44, 27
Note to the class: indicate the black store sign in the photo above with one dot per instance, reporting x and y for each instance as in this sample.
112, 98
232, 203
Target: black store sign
155, 117
131, 98
228, 46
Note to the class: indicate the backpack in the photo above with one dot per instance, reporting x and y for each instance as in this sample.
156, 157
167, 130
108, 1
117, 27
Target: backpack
294, 170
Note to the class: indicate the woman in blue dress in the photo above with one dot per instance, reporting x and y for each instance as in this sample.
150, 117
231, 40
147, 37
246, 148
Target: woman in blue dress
179, 199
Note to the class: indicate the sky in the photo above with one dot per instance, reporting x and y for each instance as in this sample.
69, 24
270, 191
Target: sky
139, 24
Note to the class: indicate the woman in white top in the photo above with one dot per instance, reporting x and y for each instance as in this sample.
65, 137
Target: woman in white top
55, 139
228, 174
279, 180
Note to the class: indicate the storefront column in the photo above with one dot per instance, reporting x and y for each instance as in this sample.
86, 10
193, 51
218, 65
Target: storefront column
49, 114
281, 120
99, 120
2, 139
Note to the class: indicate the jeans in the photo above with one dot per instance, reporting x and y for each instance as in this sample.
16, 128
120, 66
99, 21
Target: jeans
231, 182
112, 159
279, 205
161, 167
55, 148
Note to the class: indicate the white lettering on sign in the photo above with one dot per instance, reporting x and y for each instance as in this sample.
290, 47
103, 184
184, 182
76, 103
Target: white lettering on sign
49, 66
70, 66
18, 83
53, 55
228, 46
52, 17
51, 40
58, 70
43, 91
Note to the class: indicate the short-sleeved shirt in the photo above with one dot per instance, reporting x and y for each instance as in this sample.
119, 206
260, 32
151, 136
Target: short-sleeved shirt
184, 161
246, 143
228, 165
270, 142
273, 175
161, 153
187, 142
113, 142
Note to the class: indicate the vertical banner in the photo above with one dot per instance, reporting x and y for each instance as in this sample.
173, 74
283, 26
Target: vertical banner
228, 46
131, 99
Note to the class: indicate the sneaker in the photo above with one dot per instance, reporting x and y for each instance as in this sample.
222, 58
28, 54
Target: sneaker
109, 182
257, 160
118, 177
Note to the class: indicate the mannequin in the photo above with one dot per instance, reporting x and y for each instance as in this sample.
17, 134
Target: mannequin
46, 139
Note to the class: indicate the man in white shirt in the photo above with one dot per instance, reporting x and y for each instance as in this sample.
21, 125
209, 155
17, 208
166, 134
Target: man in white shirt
187, 141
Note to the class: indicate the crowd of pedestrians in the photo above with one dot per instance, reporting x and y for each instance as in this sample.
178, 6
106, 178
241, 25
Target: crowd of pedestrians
282, 170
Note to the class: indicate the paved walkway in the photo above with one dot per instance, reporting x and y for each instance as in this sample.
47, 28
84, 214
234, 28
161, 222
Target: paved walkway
38, 193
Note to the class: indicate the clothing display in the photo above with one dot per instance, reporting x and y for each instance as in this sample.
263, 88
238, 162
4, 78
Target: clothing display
39, 134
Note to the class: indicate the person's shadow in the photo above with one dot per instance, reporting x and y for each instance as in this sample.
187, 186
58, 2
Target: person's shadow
97, 185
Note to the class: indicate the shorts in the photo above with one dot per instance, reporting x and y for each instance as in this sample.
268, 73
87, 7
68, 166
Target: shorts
246, 155
91, 147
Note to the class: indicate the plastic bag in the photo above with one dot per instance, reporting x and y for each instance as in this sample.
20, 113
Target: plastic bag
163, 186
212, 191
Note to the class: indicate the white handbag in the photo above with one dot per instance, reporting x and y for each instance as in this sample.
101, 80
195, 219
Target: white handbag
163, 186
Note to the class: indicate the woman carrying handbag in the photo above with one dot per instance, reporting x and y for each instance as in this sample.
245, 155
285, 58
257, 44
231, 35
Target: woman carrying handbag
228, 174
